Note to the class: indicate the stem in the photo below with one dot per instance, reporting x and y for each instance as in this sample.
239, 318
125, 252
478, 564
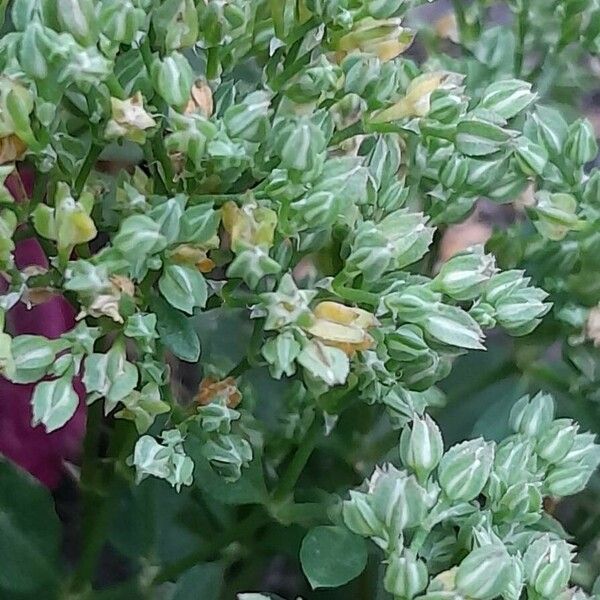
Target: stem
115, 88
86, 167
99, 485
291, 475
348, 132
242, 530
521, 24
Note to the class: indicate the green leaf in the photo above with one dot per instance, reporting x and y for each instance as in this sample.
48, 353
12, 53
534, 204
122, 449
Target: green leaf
507, 98
183, 287
478, 138
29, 535
202, 581
176, 331
54, 403
32, 354
332, 556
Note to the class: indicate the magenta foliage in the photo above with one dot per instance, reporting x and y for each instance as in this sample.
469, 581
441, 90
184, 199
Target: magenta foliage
42, 454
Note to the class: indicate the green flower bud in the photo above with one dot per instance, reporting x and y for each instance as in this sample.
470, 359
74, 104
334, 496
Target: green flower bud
318, 210
359, 516
551, 128
299, 145
398, 501
532, 158
16, 104
281, 352
78, 17
406, 343
7, 363
484, 314
190, 136
405, 575
518, 307
172, 78
532, 417
421, 446
454, 172
507, 97
567, 479
555, 215
361, 71
555, 442
521, 502
176, 22
383, 161
584, 451
33, 50
315, 82
465, 468
248, 120
581, 144
515, 461
464, 275
547, 565
482, 575
121, 21
252, 264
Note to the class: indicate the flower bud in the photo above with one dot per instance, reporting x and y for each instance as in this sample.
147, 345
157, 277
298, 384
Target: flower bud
464, 275
405, 575
386, 39
584, 451
248, 120
78, 17
360, 72
484, 314
581, 145
482, 575
121, 20
555, 215
531, 417
547, 565
421, 446
129, 119
521, 502
465, 468
514, 460
250, 224
567, 478
300, 145
251, 264
398, 501
176, 23
7, 363
454, 172
406, 343
532, 158
359, 516
172, 78
555, 442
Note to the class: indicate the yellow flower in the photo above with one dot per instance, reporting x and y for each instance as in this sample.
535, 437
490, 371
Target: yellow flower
11, 148
201, 101
129, 119
417, 101
384, 38
194, 256
592, 326
210, 389
249, 225
344, 327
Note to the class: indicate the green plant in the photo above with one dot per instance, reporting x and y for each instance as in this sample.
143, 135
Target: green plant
272, 238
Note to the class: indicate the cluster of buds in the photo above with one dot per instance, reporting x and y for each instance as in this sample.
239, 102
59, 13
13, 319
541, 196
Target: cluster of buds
491, 494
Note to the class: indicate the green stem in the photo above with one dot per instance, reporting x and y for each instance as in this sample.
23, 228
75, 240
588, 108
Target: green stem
115, 88
521, 25
243, 530
291, 475
99, 485
86, 167
348, 132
